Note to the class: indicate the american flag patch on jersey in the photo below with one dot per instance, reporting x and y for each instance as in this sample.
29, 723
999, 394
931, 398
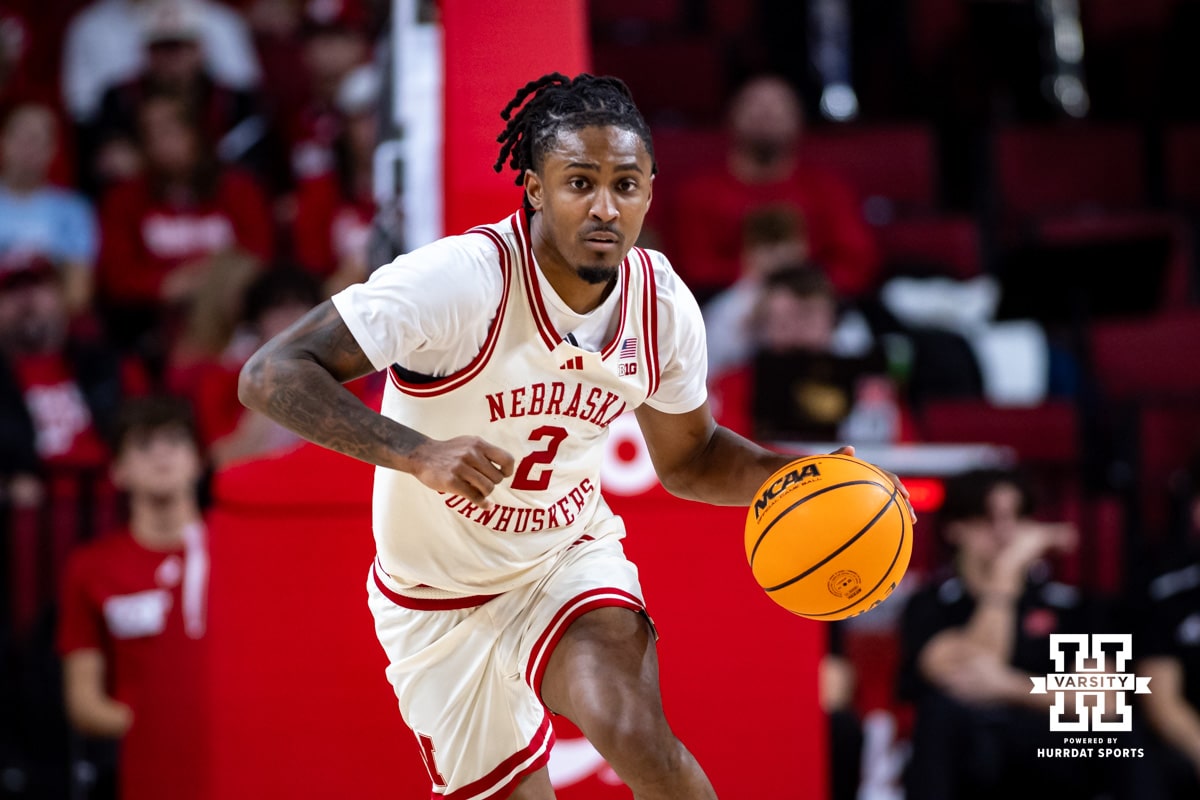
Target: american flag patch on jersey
629, 347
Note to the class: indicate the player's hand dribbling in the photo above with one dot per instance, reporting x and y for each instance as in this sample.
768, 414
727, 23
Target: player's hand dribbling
465, 465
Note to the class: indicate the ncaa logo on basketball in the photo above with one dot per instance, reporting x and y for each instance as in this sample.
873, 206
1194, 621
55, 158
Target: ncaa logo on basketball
1090, 677
793, 477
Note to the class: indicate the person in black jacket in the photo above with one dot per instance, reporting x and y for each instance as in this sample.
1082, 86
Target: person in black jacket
58, 392
970, 643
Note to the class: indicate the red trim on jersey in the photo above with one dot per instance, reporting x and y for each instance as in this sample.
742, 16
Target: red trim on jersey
451, 382
428, 604
611, 347
541, 319
650, 321
537, 304
570, 611
502, 780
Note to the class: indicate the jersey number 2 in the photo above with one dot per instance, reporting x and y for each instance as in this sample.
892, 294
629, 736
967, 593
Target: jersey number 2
553, 435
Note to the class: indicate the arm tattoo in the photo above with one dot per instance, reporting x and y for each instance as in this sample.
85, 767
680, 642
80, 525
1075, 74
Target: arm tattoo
296, 379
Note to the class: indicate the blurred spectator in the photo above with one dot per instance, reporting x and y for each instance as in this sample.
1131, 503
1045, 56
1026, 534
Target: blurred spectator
132, 616
230, 119
815, 376
335, 42
836, 679
1169, 650
773, 237
766, 166
58, 393
161, 228
805, 369
334, 210
272, 303
36, 218
210, 325
971, 641
103, 48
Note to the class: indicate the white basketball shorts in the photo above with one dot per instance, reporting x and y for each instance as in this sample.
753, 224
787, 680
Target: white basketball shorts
467, 671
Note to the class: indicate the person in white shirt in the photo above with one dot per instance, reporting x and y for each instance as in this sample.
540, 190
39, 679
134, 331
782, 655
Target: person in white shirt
500, 592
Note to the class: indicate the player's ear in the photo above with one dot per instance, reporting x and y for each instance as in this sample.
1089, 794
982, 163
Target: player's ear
533, 189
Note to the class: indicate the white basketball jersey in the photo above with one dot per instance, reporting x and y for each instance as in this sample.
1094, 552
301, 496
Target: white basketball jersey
533, 393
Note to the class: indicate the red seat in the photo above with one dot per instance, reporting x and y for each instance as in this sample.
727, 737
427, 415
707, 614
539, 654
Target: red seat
731, 16
1119, 19
1119, 226
658, 13
674, 79
1152, 358
935, 26
1047, 433
1067, 169
1168, 441
951, 243
895, 162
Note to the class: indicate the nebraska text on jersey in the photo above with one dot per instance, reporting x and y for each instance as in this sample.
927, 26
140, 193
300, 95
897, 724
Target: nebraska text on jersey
557, 398
476, 343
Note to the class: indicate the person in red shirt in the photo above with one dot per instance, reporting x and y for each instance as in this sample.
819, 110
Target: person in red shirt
334, 210
159, 230
59, 391
766, 167
233, 119
335, 41
132, 616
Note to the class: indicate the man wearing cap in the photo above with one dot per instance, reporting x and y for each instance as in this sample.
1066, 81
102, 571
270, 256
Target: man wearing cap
174, 65
335, 43
103, 47
58, 394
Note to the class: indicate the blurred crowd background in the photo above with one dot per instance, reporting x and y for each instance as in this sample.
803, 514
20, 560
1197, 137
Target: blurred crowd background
962, 227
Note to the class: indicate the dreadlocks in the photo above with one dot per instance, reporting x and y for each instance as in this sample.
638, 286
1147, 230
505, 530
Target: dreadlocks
557, 103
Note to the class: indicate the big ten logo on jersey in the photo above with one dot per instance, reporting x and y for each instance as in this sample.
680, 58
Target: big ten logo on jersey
793, 477
626, 369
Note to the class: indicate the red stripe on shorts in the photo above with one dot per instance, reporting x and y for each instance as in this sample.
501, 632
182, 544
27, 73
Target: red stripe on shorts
572, 610
502, 780
429, 604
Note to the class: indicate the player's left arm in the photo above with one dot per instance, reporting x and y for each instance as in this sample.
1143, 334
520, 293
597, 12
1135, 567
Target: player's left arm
697, 459
694, 457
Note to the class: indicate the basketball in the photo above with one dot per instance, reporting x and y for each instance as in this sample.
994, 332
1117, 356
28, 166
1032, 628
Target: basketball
828, 537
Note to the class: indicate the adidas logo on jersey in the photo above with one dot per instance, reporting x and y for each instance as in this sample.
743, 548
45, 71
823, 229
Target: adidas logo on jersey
572, 363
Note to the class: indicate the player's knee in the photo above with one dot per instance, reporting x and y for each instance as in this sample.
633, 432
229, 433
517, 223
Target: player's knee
636, 739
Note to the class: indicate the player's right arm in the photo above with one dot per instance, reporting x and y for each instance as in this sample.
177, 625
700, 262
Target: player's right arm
296, 379
89, 708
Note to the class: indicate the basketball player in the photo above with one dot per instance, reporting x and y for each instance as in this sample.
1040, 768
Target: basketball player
501, 593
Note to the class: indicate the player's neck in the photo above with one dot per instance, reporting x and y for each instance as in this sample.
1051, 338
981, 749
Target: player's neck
579, 295
160, 523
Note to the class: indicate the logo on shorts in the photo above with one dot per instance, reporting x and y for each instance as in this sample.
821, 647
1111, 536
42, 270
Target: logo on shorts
1090, 682
845, 583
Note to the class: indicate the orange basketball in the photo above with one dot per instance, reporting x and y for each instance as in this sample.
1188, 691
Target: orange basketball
828, 537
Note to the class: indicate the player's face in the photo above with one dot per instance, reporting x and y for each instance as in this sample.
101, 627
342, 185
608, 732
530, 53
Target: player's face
593, 191
161, 463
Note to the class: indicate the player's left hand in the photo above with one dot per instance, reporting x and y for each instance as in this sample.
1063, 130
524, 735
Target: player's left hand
848, 450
